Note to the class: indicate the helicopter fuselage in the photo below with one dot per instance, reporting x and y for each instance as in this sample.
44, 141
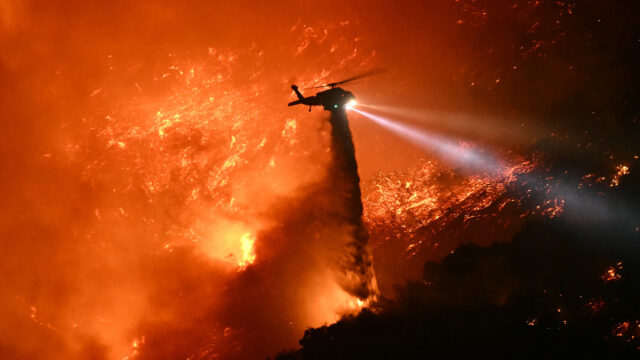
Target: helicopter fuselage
333, 99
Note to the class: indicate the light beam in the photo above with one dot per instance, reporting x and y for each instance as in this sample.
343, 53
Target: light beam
455, 152
580, 205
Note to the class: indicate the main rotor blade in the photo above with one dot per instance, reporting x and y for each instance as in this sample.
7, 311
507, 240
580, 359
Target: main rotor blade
317, 87
357, 77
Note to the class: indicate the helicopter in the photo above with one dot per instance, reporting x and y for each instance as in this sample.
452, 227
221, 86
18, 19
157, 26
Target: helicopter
336, 98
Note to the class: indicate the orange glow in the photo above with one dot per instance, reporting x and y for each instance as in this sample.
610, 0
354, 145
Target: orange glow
135, 348
229, 242
248, 252
157, 187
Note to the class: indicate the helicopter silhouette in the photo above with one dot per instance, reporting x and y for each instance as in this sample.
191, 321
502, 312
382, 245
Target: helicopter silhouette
336, 98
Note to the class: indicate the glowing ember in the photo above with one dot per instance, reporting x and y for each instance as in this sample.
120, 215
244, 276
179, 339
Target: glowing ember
612, 273
595, 305
621, 170
628, 331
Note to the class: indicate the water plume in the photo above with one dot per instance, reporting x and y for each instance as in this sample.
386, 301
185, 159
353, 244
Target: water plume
345, 181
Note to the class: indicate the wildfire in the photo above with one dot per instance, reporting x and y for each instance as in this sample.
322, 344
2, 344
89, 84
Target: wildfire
425, 195
146, 166
432, 196
185, 162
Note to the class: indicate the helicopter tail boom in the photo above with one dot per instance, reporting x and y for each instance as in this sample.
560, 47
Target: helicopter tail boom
298, 94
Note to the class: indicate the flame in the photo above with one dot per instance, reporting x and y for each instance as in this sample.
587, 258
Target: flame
248, 253
230, 242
